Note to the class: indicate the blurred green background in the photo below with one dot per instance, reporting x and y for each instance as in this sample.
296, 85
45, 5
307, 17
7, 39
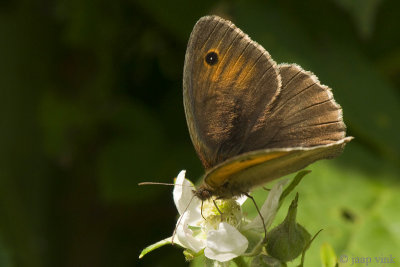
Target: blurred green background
91, 104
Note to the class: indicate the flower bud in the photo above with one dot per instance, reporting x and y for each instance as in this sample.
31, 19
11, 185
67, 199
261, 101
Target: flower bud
288, 240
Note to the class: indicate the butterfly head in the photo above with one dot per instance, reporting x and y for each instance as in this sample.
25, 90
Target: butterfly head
203, 193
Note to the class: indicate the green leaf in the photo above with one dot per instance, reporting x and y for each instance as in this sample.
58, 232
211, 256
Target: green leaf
296, 180
150, 248
328, 256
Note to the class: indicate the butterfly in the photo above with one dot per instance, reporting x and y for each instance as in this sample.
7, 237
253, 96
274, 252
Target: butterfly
250, 119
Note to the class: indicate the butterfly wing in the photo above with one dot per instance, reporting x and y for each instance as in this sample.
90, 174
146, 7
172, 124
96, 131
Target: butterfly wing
225, 93
241, 101
303, 115
241, 173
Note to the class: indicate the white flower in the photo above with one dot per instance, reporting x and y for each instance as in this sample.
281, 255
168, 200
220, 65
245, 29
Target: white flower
221, 239
217, 228
225, 244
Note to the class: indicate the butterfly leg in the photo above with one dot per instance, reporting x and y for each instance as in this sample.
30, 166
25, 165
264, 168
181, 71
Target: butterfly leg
201, 210
259, 213
215, 204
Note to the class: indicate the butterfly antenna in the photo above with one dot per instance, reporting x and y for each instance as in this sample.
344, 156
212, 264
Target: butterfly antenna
179, 220
151, 183
157, 183
259, 213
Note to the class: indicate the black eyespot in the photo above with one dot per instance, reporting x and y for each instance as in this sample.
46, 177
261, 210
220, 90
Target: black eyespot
211, 58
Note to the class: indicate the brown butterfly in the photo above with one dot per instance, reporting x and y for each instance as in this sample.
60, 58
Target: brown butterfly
252, 120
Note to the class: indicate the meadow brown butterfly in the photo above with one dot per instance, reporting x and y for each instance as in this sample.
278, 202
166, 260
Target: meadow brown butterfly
252, 120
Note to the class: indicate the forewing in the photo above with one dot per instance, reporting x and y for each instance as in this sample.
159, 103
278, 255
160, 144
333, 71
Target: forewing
223, 101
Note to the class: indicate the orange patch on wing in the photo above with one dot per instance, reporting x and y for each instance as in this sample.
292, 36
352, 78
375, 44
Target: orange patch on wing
246, 76
239, 72
219, 176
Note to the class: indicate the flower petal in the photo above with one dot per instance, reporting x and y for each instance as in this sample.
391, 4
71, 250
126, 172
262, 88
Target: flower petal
269, 208
185, 237
241, 199
225, 243
183, 195
181, 192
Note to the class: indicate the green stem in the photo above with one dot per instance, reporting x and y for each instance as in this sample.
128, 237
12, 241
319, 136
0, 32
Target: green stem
240, 262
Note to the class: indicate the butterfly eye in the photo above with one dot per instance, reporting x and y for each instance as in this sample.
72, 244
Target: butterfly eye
211, 58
